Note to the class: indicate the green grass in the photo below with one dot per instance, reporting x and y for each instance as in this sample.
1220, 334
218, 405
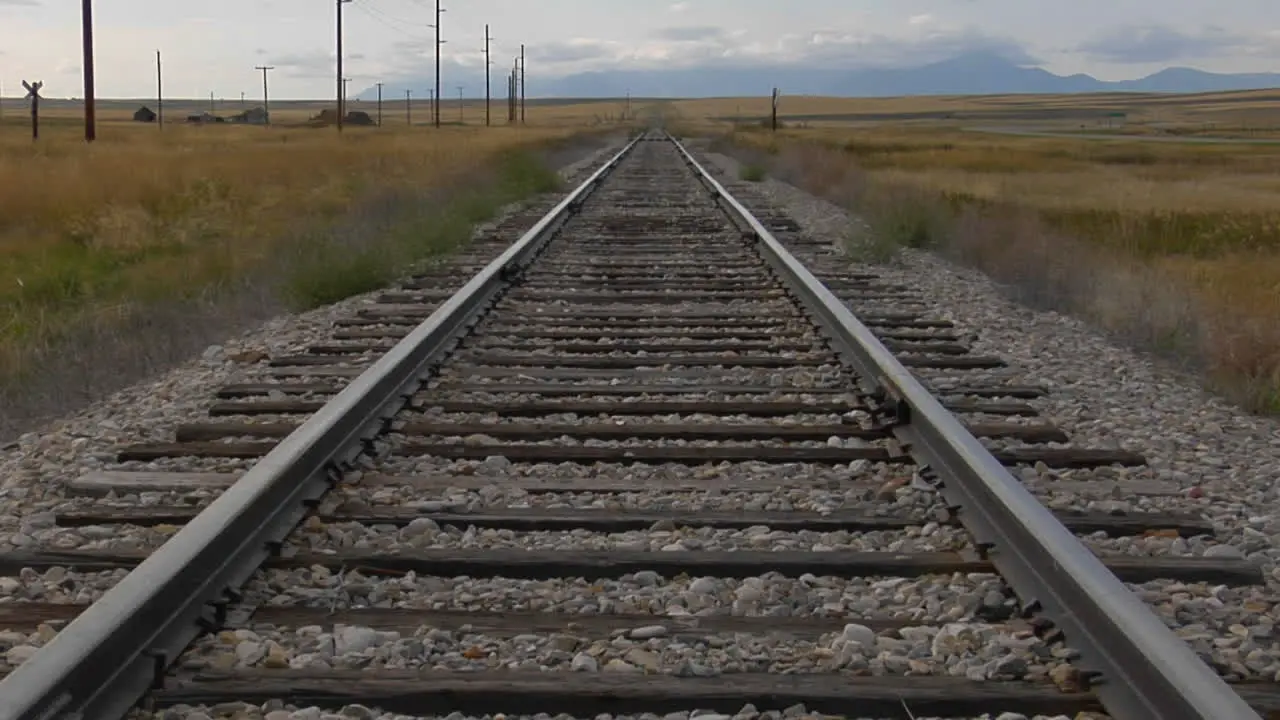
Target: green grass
333, 266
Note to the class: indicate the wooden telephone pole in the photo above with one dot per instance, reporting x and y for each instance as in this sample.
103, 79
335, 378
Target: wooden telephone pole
512, 90
379, 104
341, 84
487, 63
266, 102
90, 112
435, 102
408, 108
522, 83
159, 93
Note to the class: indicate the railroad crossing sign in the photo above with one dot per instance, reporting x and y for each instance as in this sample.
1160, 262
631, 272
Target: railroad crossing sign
33, 94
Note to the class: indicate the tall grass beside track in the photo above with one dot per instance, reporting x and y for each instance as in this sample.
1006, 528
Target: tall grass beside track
119, 258
1174, 248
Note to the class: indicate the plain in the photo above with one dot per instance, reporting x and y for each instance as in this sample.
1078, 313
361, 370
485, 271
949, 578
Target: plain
1154, 217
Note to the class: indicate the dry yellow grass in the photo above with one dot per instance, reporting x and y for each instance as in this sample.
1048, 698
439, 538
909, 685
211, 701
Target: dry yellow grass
99, 235
157, 209
538, 113
1176, 243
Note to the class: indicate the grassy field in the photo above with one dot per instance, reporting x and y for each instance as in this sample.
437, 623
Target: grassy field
297, 113
1231, 114
114, 255
1172, 246
120, 258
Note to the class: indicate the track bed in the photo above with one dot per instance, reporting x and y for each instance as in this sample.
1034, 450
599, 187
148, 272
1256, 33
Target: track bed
641, 476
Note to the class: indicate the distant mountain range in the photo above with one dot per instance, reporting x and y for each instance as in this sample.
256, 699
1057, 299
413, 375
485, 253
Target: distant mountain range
969, 74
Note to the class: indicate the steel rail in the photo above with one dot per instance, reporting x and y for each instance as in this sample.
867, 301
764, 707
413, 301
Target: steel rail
1141, 670
107, 659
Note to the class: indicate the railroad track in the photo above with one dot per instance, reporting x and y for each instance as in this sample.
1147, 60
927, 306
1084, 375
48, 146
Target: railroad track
644, 460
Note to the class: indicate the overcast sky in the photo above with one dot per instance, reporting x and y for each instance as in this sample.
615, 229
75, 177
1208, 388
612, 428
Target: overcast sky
214, 45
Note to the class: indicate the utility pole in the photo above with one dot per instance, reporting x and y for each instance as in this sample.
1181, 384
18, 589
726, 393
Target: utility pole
522, 86
435, 103
242, 101
344, 93
487, 63
511, 93
266, 101
379, 104
460, 116
212, 107
341, 83
408, 108
432, 100
773, 112
159, 93
90, 114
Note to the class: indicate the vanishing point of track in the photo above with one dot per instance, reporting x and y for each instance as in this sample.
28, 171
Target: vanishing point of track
651, 325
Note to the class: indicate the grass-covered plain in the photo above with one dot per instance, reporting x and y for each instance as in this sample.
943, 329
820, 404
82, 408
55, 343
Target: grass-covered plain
154, 231
1173, 246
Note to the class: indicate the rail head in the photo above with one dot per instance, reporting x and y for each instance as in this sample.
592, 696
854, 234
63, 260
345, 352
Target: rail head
106, 659
1143, 670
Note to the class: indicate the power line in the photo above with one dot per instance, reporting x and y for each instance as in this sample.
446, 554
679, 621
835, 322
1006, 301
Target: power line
388, 22
372, 10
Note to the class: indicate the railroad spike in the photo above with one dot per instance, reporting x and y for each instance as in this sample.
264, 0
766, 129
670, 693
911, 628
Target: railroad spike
159, 664
1090, 679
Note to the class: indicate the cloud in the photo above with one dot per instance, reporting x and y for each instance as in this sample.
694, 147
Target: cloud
1161, 43
921, 40
860, 50
306, 65
678, 7
573, 51
18, 3
693, 33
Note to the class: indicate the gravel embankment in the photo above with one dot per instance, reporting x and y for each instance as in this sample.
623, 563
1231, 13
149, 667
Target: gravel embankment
1208, 458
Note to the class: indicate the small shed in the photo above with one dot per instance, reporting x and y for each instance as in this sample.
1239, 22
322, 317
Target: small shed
144, 114
252, 116
329, 116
